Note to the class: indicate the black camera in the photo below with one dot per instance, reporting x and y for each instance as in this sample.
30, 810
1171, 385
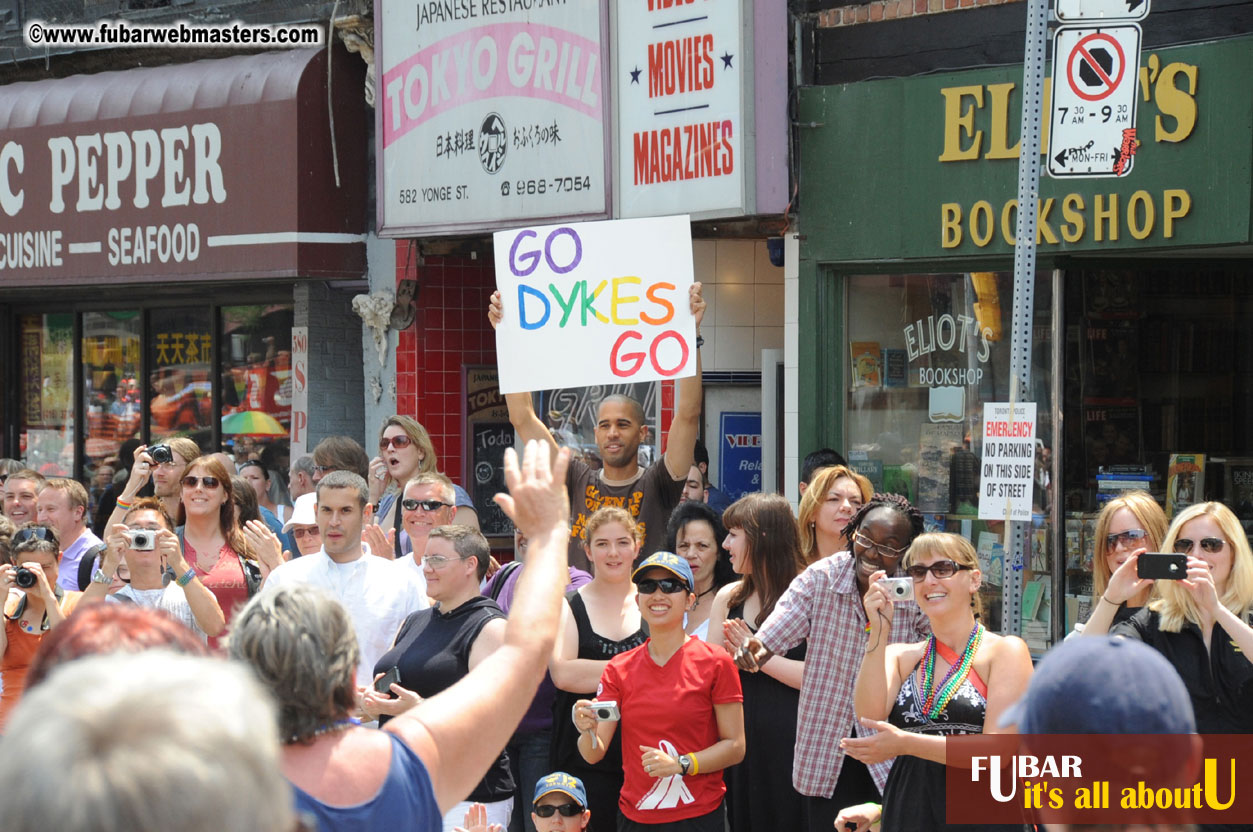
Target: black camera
161, 453
24, 577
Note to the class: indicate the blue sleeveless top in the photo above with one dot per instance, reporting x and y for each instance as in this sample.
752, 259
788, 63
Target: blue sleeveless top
404, 801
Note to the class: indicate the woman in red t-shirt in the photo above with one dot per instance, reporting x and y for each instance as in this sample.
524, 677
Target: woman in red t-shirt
681, 712
213, 544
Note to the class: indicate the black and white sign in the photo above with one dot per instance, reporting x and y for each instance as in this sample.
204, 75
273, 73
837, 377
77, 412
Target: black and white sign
1095, 77
1103, 11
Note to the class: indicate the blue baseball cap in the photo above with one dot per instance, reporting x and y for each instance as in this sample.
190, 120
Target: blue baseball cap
672, 563
561, 782
1103, 685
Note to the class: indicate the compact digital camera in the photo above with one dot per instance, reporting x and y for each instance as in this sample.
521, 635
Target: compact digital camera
899, 589
606, 711
142, 540
24, 577
161, 453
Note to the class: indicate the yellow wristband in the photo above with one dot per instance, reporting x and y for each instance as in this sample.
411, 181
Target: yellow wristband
695, 764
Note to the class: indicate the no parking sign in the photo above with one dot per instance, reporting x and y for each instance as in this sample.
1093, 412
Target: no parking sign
1092, 129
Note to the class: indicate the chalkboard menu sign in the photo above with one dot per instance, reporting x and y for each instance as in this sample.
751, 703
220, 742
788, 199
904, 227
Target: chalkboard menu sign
487, 469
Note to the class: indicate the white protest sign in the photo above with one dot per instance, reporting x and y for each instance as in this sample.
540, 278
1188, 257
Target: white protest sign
595, 303
1008, 468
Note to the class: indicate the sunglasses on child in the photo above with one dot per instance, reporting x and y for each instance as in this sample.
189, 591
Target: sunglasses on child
208, 482
670, 586
567, 810
425, 505
1213, 545
1128, 537
941, 569
401, 441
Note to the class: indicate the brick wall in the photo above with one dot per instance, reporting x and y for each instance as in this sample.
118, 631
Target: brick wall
335, 376
878, 10
451, 331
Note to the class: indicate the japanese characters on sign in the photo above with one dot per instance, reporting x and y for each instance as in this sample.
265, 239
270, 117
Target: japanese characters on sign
594, 303
490, 113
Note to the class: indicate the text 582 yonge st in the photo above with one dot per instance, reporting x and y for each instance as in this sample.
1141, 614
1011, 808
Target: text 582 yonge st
87, 172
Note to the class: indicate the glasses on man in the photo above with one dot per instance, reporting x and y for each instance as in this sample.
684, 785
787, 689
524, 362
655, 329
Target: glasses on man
437, 562
425, 505
941, 569
209, 483
1213, 545
324, 469
298, 532
882, 549
401, 441
566, 810
670, 586
33, 533
1127, 538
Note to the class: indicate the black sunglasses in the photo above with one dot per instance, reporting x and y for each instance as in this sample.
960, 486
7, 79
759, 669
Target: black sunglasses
33, 533
1213, 545
567, 810
1128, 537
209, 482
426, 505
670, 586
941, 569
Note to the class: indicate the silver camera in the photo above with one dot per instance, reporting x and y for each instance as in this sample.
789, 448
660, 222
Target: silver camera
899, 589
606, 711
142, 540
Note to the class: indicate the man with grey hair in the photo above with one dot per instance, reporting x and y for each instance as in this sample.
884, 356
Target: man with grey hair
120, 723
377, 595
300, 477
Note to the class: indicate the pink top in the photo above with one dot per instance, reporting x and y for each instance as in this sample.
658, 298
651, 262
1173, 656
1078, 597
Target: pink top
225, 580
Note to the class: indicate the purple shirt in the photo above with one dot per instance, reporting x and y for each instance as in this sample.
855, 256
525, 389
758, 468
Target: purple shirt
539, 717
67, 570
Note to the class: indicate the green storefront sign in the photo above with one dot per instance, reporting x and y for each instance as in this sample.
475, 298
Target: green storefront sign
926, 168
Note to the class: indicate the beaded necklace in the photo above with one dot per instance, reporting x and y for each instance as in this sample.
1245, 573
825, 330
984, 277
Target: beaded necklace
933, 703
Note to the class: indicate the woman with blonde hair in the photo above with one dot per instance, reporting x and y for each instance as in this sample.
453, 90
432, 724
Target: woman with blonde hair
958, 681
406, 450
1127, 526
600, 621
826, 508
1200, 623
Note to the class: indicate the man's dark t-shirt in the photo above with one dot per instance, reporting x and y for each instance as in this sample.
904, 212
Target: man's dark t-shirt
649, 499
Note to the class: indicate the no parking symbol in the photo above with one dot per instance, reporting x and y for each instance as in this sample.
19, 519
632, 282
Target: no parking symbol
1095, 67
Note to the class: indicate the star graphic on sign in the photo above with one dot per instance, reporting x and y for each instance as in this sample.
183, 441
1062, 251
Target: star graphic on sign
726, 60
635, 75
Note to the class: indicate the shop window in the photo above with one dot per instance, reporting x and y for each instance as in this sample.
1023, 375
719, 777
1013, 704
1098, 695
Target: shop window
111, 385
180, 382
46, 354
926, 352
257, 384
570, 415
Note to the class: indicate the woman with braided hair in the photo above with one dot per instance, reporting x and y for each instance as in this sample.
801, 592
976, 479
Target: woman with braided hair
823, 605
957, 681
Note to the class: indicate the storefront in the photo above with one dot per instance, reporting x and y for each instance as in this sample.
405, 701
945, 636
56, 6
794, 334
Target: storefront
156, 227
1140, 353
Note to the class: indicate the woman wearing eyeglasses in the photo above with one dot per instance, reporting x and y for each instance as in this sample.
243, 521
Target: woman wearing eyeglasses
599, 621
681, 708
33, 605
213, 543
958, 681
438, 646
1200, 623
405, 450
765, 550
1127, 526
830, 501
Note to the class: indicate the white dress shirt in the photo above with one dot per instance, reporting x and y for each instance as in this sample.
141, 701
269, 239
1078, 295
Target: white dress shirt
377, 596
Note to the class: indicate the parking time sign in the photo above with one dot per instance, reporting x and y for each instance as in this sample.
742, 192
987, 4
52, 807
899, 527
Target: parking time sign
1092, 127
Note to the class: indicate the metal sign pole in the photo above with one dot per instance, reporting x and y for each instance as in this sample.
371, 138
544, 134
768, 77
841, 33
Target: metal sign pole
1024, 281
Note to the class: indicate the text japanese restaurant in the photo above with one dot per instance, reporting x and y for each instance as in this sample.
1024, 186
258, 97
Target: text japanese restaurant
155, 227
498, 116
1142, 358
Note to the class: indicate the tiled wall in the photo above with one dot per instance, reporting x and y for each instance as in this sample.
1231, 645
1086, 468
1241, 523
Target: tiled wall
744, 293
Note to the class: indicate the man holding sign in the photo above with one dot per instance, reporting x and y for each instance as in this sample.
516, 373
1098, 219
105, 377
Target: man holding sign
630, 293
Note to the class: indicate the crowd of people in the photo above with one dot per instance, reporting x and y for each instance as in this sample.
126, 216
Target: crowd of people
644, 660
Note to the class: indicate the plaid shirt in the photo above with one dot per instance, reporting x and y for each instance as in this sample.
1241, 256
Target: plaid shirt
824, 606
